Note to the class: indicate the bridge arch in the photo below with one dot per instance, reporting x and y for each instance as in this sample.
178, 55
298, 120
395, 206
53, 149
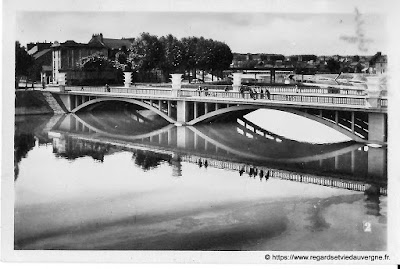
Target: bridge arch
332, 125
127, 100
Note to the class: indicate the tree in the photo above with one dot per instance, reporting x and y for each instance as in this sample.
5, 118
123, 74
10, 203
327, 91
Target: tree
95, 62
333, 66
145, 52
173, 54
23, 62
189, 56
121, 61
222, 57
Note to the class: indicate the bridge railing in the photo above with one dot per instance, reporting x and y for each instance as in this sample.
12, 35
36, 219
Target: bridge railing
276, 94
312, 90
288, 175
282, 97
209, 86
139, 91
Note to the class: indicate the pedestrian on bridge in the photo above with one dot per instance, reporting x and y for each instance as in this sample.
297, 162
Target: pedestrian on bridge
241, 90
241, 171
107, 88
205, 91
267, 176
262, 96
268, 94
199, 89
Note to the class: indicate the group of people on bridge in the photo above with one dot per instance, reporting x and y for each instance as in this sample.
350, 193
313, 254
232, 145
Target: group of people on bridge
255, 93
254, 171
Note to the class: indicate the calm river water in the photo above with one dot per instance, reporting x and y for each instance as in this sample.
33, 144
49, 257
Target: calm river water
128, 181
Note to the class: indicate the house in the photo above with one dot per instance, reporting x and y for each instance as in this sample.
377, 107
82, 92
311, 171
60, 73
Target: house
381, 65
41, 53
42, 66
67, 55
112, 44
33, 48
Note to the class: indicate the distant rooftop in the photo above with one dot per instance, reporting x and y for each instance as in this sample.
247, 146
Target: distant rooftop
111, 43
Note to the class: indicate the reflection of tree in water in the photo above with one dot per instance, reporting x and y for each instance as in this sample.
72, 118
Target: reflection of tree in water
149, 160
80, 148
372, 201
316, 213
23, 143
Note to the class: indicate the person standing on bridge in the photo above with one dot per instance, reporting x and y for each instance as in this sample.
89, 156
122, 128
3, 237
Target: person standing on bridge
268, 94
262, 96
107, 88
241, 90
205, 91
267, 176
199, 90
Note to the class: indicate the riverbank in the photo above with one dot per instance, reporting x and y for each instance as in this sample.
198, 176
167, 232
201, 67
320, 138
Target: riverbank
31, 102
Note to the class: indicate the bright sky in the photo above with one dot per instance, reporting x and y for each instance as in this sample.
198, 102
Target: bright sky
314, 26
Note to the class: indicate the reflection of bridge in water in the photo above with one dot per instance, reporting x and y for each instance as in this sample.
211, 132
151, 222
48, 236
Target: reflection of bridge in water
240, 145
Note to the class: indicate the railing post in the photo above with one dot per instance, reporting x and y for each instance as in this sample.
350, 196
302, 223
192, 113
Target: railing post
176, 80
374, 92
127, 79
62, 81
237, 81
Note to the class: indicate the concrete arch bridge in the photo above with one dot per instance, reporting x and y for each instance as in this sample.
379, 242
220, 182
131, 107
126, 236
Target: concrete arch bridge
362, 118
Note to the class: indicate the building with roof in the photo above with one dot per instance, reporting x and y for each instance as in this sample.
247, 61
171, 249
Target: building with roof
43, 64
381, 65
66, 56
112, 44
33, 48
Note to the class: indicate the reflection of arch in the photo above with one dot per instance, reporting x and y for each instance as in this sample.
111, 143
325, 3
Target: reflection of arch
124, 137
325, 155
128, 100
332, 125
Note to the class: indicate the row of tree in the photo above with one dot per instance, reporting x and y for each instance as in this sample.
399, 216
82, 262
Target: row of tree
23, 63
169, 54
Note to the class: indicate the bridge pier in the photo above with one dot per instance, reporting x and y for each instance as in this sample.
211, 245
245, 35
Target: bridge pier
376, 162
195, 110
377, 127
182, 112
68, 102
181, 136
